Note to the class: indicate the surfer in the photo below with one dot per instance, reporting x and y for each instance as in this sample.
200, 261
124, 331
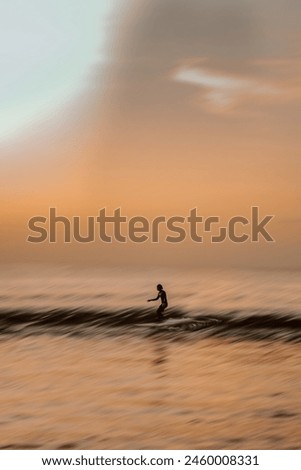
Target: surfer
161, 295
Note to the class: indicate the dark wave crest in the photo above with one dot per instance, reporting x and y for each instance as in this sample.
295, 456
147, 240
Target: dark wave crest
236, 325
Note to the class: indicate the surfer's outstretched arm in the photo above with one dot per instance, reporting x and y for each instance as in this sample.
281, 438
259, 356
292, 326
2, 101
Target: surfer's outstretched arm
151, 300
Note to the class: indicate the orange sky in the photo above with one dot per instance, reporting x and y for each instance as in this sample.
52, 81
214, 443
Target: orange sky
198, 106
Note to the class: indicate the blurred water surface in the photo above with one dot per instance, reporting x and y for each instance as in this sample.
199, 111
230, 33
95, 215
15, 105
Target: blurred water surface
84, 365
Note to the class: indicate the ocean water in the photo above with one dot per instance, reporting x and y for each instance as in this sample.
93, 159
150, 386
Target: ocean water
84, 364
242, 304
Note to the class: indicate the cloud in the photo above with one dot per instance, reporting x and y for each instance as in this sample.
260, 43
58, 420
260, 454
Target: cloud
224, 92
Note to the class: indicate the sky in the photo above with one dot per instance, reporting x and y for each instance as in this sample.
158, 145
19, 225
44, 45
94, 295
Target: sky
173, 105
46, 50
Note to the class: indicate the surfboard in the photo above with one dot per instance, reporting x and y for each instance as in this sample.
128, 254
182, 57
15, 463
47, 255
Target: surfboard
172, 322
185, 322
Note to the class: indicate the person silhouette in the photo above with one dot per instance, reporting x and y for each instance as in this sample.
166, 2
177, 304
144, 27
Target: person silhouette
164, 304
